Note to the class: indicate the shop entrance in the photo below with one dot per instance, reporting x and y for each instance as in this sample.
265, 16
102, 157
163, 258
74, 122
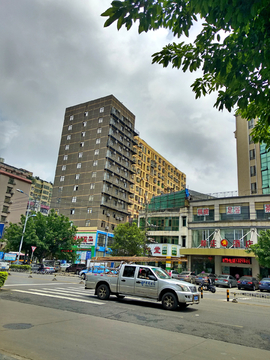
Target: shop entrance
240, 271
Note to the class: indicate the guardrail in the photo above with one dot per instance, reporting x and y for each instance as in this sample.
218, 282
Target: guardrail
248, 296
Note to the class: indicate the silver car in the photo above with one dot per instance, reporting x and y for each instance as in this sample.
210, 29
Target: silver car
226, 280
187, 276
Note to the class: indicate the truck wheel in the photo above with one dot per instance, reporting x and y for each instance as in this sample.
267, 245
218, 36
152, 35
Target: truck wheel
169, 301
103, 292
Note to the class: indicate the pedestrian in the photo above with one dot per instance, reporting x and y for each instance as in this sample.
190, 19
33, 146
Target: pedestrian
237, 276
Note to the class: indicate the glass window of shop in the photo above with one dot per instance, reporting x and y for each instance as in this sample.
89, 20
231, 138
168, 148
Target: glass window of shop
166, 239
161, 223
231, 235
199, 235
203, 213
234, 212
262, 211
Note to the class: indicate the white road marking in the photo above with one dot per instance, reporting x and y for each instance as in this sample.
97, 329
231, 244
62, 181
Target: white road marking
59, 296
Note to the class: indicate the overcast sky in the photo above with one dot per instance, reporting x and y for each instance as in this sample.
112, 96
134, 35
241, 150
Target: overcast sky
56, 53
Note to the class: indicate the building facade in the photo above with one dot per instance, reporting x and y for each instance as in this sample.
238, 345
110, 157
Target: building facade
154, 175
94, 170
213, 233
13, 203
41, 195
253, 161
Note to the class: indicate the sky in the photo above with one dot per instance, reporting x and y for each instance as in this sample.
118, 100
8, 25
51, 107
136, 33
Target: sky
57, 53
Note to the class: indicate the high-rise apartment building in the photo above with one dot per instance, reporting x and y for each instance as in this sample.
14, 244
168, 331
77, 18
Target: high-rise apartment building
253, 161
41, 195
94, 169
154, 175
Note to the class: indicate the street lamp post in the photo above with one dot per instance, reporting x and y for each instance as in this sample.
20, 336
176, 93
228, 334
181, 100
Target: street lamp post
26, 218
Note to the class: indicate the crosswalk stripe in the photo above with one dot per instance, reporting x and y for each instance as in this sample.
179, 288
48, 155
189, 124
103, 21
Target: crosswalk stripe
77, 293
59, 297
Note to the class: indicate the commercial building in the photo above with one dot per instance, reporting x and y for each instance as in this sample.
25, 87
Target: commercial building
12, 202
253, 161
212, 233
94, 170
154, 175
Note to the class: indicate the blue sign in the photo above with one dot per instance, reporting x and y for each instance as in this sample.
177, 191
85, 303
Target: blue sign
88, 255
1, 230
1, 255
10, 257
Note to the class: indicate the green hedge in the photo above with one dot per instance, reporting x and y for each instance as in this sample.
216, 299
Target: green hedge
20, 267
3, 277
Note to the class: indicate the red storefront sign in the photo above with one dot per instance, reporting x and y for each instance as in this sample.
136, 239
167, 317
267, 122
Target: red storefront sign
236, 260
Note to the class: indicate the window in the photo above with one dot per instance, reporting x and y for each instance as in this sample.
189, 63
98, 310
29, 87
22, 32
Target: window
253, 170
79, 165
82, 144
251, 123
250, 139
96, 152
129, 271
101, 110
183, 241
77, 176
94, 174
100, 120
68, 137
91, 198
86, 113
72, 211
95, 163
89, 210
98, 141
62, 178
64, 167
184, 221
253, 188
92, 186
76, 187
70, 127
67, 147
99, 130
71, 117
252, 154
60, 189
84, 123
74, 199
65, 157
83, 133
87, 223
80, 154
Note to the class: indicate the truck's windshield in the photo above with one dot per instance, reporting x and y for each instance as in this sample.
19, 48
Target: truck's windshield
160, 273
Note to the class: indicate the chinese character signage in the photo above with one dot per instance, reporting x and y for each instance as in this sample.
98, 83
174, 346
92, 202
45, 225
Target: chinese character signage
236, 260
267, 208
233, 210
87, 239
174, 251
203, 212
164, 250
224, 243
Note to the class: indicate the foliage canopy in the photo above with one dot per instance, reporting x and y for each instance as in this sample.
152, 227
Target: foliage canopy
232, 49
262, 249
50, 234
129, 240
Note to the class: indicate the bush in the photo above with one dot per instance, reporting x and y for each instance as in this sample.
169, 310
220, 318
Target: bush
3, 277
20, 267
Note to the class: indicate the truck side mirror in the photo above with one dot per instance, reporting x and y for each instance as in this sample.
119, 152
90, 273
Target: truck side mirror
152, 277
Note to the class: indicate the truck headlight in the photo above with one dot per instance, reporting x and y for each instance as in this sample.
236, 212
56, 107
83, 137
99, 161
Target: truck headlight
183, 287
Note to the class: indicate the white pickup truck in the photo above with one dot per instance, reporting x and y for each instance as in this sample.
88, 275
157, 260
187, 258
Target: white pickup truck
143, 281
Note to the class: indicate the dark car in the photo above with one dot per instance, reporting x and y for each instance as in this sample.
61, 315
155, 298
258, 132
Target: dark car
264, 284
248, 283
226, 280
204, 277
76, 268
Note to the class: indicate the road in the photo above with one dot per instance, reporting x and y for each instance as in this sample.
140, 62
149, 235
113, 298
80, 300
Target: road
44, 318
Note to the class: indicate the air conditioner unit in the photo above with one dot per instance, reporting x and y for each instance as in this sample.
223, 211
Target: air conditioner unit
108, 214
107, 228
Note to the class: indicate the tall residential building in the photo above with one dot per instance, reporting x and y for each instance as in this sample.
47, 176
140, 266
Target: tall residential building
41, 195
13, 203
94, 168
253, 161
154, 175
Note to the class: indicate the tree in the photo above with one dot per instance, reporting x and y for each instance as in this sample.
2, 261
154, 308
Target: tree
232, 49
262, 249
129, 240
50, 234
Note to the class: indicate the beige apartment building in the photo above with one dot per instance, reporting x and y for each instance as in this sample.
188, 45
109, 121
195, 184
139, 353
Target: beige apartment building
154, 175
41, 195
13, 203
253, 161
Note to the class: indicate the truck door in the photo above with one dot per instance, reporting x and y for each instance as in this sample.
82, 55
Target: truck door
127, 279
146, 283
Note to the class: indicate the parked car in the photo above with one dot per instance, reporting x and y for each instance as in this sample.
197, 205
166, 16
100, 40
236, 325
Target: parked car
187, 276
264, 284
204, 277
4, 265
76, 268
174, 274
248, 282
64, 266
35, 267
96, 270
226, 280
